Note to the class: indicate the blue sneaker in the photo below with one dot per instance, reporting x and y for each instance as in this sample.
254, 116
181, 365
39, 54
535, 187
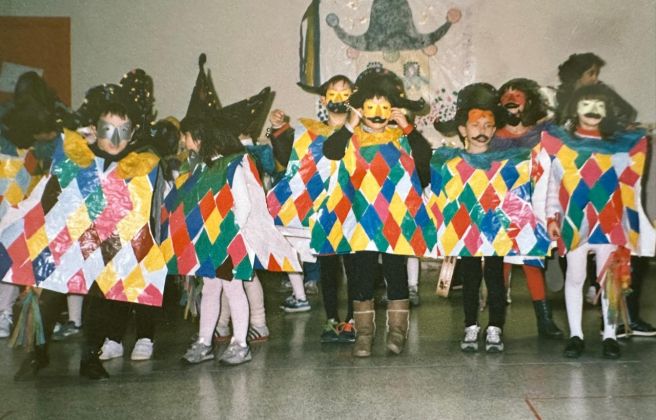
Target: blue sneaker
291, 304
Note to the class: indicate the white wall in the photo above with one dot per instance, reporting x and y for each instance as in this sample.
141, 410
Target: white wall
254, 43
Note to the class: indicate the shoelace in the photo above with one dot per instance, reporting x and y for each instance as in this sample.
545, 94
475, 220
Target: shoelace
493, 335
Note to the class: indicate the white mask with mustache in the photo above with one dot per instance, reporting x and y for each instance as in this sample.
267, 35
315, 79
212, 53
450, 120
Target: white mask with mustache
591, 106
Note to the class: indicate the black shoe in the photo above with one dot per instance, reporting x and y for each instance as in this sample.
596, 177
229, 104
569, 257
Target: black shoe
546, 326
640, 328
610, 349
31, 366
574, 348
91, 367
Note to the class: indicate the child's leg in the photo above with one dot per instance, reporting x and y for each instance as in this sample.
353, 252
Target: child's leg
255, 296
296, 280
496, 293
413, 266
234, 289
210, 306
75, 309
535, 282
330, 274
472, 273
223, 326
576, 272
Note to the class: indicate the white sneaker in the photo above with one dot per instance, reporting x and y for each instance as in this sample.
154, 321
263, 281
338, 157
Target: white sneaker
143, 349
469, 342
111, 350
6, 321
493, 343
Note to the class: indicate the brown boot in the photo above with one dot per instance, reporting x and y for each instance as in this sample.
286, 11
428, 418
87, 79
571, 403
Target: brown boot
364, 317
398, 320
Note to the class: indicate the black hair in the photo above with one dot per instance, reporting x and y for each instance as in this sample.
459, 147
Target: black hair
535, 108
164, 138
214, 140
36, 110
609, 124
335, 79
573, 68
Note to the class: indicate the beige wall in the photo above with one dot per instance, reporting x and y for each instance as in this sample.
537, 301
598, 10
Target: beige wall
254, 43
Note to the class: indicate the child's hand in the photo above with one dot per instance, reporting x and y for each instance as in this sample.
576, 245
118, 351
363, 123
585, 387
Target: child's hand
354, 117
277, 118
398, 116
554, 230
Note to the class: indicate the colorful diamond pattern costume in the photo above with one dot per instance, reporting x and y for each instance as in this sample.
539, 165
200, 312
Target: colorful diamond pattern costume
200, 231
482, 204
18, 176
295, 197
374, 200
599, 190
83, 224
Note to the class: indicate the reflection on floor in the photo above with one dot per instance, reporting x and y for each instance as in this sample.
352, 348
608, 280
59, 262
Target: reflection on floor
294, 376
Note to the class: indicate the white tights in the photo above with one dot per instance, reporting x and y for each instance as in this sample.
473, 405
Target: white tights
575, 277
210, 307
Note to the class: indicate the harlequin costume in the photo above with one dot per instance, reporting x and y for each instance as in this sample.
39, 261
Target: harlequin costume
525, 113
202, 236
295, 198
374, 207
595, 198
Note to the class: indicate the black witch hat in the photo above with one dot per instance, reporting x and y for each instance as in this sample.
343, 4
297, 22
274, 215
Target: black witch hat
204, 101
378, 81
248, 115
475, 96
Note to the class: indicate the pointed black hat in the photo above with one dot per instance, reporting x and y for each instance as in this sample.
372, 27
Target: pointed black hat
204, 101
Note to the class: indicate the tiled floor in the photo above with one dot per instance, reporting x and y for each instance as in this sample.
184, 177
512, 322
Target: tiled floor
294, 376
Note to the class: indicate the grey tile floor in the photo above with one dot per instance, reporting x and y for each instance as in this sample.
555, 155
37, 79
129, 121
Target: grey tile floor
294, 376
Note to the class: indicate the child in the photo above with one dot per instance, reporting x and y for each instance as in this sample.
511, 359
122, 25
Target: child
216, 223
308, 171
375, 189
593, 203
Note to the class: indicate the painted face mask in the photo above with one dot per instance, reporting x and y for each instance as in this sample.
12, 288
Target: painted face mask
336, 100
591, 108
106, 130
377, 110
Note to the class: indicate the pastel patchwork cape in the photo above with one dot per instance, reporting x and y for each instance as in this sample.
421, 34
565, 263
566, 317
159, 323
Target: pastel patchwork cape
18, 176
294, 199
83, 224
599, 190
200, 231
482, 204
374, 200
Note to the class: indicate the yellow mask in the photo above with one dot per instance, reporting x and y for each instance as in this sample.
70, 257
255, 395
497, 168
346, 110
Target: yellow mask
377, 107
336, 96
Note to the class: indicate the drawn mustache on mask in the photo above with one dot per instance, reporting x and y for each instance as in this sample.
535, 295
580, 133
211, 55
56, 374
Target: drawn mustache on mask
481, 138
511, 105
377, 120
593, 115
337, 107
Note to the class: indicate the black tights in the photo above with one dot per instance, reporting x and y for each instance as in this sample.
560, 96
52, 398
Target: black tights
394, 270
472, 273
331, 274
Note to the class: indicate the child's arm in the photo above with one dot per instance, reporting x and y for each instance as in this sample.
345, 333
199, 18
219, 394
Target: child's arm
281, 135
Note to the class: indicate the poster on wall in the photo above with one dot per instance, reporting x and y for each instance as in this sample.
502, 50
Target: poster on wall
426, 43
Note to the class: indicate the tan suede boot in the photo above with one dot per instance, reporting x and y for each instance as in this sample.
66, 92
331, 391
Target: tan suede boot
365, 327
398, 321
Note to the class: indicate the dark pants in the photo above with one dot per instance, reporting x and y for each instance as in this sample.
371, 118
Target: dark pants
106, 318
51, 305
331, 274
394, 270
472, 273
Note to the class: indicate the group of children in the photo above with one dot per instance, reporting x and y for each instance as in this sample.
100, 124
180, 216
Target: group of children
120, 206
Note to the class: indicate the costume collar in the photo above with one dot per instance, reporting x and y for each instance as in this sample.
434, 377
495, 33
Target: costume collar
370, 139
